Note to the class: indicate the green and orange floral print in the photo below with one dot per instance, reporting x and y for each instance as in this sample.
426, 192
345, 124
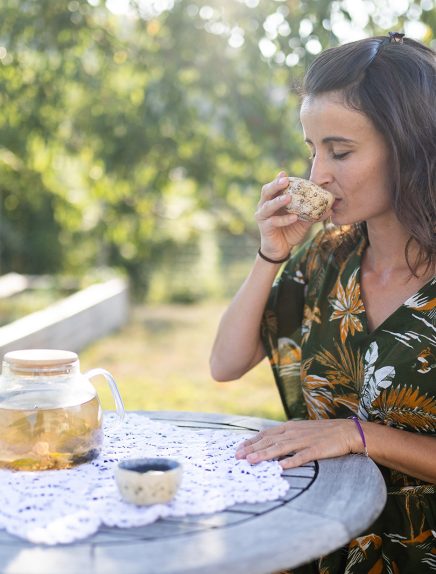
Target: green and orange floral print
327, 364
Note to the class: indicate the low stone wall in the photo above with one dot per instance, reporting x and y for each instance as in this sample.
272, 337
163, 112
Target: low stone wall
71, 323
12, 283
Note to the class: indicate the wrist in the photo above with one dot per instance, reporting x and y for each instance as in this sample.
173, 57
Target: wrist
273, 259
359, 442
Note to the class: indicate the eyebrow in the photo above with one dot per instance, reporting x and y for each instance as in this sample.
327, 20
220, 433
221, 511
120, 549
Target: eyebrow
329, 139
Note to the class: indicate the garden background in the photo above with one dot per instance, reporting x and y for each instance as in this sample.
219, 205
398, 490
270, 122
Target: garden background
134, 139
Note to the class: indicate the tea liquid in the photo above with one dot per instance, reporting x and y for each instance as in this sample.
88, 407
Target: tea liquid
49, 437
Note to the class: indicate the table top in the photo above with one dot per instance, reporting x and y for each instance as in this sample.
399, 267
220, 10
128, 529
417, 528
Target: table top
327, 504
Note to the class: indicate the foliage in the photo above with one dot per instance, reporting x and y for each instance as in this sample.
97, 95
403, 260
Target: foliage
132, 140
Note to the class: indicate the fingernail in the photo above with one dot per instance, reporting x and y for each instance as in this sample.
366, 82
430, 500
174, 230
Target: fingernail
283, 180
252, 457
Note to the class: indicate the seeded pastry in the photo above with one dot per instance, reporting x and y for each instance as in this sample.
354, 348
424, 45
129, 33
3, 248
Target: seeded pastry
308, 200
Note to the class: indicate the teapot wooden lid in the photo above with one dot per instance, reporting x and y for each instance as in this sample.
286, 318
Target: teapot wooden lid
34, 358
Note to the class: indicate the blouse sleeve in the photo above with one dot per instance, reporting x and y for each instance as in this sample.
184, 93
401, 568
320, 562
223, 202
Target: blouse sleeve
281, 328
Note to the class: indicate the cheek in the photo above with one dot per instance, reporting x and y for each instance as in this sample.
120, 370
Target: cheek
371, 177
353, 180
379, 180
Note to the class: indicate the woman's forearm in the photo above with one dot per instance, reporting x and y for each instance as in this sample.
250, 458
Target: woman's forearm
238, 347
408, 452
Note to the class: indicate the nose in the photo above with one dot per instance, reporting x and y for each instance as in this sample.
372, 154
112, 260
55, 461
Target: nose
320, 172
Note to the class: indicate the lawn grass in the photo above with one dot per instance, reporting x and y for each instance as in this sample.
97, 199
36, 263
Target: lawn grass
160, 362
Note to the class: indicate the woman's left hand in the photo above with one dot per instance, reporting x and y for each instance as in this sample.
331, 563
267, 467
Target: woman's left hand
299, 442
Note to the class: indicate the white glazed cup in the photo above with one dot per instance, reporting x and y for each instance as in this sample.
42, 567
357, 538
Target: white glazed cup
146, 481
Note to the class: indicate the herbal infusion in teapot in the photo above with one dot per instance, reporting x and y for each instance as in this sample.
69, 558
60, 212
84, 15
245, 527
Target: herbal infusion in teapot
50, 414
46, 438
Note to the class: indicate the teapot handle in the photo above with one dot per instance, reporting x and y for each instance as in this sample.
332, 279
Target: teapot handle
113, 386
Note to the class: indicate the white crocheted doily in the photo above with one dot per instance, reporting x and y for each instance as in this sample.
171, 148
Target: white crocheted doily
61, 506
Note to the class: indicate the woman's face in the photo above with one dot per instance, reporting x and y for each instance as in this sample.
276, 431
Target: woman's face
349, 159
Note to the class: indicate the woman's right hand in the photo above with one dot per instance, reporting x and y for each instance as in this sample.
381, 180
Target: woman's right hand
279, 229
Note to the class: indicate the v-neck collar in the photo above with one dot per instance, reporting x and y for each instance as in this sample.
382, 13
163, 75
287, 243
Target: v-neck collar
416, 297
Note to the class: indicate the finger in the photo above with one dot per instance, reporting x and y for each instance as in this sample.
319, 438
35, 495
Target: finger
271, 189
298, 459
250, 445
283, 220
270, 447
266, 432
267, 208
255, 445
291, 440
270, 452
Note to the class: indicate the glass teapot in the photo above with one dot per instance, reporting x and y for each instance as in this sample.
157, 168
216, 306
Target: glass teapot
50, 414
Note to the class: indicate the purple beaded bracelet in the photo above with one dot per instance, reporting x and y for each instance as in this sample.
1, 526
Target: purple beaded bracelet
362, 436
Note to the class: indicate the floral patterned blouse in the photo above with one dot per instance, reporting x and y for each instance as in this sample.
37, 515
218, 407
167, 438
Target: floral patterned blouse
327, 364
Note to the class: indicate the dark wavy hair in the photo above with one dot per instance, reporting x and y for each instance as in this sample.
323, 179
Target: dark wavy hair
393, 84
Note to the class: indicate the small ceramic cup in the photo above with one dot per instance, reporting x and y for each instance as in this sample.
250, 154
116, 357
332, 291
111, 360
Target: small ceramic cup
145, 481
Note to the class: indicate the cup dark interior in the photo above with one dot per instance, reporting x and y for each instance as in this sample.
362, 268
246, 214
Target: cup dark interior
149, 464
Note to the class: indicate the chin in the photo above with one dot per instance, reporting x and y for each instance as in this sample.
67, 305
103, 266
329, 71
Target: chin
340, 219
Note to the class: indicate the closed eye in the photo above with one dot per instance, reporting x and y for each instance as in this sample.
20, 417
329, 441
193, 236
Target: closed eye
340, 155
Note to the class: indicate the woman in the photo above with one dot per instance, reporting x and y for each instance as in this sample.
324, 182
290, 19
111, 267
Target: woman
350, 324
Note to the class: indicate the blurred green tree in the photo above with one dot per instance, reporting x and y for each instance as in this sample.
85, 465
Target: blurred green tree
143, 134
